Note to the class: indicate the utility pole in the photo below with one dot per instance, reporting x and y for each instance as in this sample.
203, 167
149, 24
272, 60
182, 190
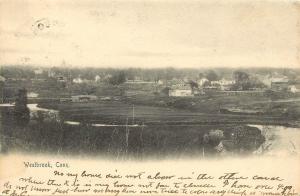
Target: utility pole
133, 114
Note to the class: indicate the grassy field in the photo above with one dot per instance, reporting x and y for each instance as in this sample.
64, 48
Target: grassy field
164, 110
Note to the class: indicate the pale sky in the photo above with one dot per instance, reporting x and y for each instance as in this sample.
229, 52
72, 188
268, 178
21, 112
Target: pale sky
153, 33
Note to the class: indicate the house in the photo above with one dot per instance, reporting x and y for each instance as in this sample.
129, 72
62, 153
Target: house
180, 93
223, 84
180, 84
223, 81
294, 88
175, 81
38, 71
97, 78
265, 79
77, 80
279, 84
271, 78
84, 98
32, 95
202, 81
160, 82
185, 89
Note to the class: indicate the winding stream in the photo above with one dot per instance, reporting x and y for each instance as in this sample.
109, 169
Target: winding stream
280, 141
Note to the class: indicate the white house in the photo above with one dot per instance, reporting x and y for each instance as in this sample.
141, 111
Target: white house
294, 89
77, 80
97, 78
202, 81
38, 71
32, 95
223, 83
274, 78
280, 79
180, 93
226, 82
160, 82
84, 98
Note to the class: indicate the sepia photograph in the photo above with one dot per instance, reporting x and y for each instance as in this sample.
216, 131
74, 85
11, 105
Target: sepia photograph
150, 113
135, 82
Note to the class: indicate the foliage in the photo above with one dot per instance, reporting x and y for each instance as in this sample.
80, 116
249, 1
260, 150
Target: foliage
21, 112
212, 75
165, 91
193, 85
118, 78
243, 81
16, 72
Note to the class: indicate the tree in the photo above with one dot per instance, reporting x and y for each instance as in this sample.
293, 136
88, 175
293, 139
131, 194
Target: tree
212, 76
201, 75
242, 81
118, 78
165, 91
21, 112
240, 77
206, 83
193, 85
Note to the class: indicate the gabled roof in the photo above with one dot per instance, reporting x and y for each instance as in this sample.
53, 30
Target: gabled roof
280, 80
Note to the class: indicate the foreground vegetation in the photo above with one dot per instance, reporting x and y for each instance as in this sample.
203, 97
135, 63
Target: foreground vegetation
139, 142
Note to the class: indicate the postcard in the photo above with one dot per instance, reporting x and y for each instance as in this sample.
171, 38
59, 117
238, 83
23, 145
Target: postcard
149, 97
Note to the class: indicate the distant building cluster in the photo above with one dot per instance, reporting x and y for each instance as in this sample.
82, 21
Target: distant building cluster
167, 84
185, 88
